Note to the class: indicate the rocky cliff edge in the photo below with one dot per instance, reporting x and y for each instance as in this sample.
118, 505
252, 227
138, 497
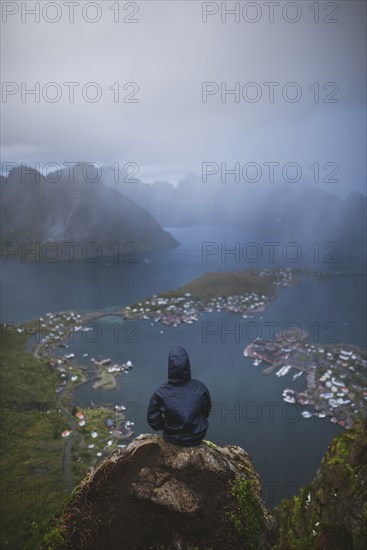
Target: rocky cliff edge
157, 495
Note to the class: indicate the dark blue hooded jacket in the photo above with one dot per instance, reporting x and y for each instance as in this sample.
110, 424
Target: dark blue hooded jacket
181, 406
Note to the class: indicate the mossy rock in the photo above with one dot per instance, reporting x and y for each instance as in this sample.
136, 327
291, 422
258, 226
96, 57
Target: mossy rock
335, 502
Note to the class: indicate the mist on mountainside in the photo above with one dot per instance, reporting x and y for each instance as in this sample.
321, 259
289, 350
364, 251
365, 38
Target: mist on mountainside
265, 212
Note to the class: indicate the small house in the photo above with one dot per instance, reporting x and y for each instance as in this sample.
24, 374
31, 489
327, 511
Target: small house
110, 423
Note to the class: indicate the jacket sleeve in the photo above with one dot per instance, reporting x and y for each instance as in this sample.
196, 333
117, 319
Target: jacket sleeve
155, 416
207, 403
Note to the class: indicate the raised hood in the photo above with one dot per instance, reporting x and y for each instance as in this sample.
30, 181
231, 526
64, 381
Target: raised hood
179, 369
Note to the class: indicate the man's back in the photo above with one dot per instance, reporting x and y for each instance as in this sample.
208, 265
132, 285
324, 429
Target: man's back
181, 405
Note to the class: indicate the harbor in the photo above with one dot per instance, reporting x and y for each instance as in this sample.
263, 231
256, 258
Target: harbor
334, 375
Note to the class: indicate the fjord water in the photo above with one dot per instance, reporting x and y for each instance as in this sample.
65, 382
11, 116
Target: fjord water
248, 409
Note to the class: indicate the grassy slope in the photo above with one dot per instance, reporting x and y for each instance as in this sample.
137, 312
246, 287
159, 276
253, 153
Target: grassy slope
226, 284
31, 445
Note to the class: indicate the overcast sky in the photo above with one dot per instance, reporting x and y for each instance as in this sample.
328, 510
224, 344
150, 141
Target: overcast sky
169, 52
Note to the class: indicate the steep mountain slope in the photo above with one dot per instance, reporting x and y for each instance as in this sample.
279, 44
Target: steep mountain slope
331, 512
36, 210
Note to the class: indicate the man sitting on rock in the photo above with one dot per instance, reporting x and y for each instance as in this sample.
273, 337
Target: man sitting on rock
181, 406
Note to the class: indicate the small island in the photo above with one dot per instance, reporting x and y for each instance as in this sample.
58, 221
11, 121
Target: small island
240, 292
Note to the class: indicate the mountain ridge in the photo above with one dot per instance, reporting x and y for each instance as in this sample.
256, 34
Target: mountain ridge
36, 210
278, 211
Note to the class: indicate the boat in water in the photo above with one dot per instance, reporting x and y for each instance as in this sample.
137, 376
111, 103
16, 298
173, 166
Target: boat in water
283, 370
289, 396
289, 399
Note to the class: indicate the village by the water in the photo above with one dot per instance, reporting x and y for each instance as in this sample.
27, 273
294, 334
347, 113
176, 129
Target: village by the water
334, 375
174, 310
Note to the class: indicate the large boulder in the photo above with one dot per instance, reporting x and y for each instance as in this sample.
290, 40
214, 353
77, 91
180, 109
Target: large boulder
157, 495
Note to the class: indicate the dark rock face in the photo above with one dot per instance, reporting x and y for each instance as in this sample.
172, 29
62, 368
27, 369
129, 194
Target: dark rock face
157, 495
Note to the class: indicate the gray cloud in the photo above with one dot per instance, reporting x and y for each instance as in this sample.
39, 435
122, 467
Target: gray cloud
169, 53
